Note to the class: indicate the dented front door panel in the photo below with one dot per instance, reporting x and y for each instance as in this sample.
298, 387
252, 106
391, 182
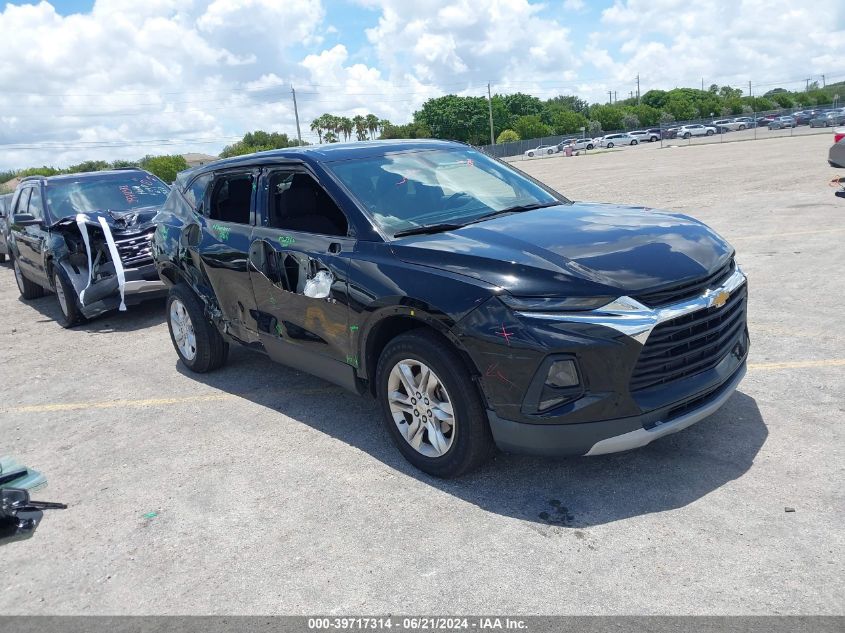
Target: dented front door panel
300, 285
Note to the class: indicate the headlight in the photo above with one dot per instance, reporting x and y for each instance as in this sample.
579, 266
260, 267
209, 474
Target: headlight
554, 304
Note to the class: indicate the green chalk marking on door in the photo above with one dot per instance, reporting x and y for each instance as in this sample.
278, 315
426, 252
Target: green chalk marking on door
221, 231
352, 360
150, 515
286, 240
165, 232
353, 328
279, 329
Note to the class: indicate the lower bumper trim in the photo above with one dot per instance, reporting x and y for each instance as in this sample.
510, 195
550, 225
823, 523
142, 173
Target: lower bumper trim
641, 437
143, 287
604, 436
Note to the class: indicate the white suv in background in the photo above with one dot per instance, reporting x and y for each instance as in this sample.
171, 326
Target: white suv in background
695, 129
645, 136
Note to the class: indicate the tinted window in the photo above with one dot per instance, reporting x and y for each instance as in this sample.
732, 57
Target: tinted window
107, 192
23, 200
231, 198
408, 189
297, 202
195, 194
36, 204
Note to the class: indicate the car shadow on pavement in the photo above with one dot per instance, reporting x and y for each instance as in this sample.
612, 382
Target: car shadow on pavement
137, 317
670, 473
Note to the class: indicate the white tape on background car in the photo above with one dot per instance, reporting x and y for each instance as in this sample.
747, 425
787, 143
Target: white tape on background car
81, 220
118, 265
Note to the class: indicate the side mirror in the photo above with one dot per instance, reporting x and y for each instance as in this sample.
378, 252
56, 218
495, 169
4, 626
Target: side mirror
25, 219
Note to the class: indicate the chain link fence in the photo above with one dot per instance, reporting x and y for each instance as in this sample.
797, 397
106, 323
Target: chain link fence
753, 126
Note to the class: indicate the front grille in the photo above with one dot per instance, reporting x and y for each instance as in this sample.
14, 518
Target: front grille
136, 251
690, 344
686, 290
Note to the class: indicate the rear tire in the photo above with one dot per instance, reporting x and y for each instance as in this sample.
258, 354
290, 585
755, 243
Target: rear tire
456, 437
2, 257
609, 145
68, 300
687, 135
27, 288
195, 338
590, 146
709, 132
634, 142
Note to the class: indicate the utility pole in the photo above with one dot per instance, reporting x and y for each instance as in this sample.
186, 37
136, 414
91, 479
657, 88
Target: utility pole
615, 98
824, 85
807, 87
610, 97
702, 84
490, 111
296, 114
638, 88
749, 89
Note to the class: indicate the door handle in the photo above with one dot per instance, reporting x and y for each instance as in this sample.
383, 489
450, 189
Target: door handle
335, 248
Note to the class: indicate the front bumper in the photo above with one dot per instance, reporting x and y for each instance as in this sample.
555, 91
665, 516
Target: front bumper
609, 436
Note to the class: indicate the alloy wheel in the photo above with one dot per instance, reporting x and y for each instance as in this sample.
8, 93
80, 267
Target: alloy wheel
421, 408
183, 330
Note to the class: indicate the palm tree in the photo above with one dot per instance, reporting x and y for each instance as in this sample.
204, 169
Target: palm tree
317, 126
346, 126
372, 125
382, 124
331, 136
360, 127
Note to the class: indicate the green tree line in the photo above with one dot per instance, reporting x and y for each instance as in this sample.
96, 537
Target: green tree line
165, 167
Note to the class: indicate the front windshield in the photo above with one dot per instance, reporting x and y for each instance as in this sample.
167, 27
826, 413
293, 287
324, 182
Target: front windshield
404, 190
109, 192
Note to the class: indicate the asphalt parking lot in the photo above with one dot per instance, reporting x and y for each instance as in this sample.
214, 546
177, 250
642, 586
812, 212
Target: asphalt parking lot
260, 490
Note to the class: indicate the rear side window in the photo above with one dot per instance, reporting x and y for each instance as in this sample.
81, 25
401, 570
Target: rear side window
195, 194
231, 198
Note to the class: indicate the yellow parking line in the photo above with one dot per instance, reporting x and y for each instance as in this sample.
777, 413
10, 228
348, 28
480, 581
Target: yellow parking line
790, 234
798, 364
148, 402
216, 397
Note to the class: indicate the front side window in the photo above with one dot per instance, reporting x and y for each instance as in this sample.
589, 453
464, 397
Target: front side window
36, 204
23, 201
108, 192
297, 202
195, 194
405, 190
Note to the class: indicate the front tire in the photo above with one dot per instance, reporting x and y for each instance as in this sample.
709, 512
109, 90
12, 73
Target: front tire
27, 288
634, 142
530, 154
195, 338
609, 145
68, 300
709, 132
431, 407
590, 146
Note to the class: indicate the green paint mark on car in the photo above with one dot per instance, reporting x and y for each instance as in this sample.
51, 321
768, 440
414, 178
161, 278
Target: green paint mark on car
353, 328
352, 360
222, 232
286, 240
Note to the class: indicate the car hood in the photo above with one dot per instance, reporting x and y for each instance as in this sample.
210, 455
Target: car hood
577, 249
132, 221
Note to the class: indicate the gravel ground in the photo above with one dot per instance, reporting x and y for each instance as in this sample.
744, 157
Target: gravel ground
260, 490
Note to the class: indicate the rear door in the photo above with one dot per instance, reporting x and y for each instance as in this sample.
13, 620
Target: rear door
229, 217
299, 266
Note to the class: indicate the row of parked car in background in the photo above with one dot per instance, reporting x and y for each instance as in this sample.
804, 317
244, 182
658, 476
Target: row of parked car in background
819, 117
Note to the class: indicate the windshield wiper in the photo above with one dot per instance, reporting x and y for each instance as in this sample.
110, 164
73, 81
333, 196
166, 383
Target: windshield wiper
428, 228
451, 226
516, 209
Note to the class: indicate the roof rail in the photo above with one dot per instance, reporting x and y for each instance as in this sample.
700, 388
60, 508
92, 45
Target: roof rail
135, 168
25, 178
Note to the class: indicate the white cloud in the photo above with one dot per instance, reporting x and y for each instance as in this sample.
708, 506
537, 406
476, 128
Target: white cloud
133, 71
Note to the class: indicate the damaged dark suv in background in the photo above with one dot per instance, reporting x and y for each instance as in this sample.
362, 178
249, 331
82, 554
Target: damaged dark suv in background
86, 237
478, 306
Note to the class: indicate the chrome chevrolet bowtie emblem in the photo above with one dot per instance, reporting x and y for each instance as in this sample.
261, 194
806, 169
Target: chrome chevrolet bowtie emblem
721, 299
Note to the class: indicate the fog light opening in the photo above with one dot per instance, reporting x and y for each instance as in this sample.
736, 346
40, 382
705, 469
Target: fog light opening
563, 373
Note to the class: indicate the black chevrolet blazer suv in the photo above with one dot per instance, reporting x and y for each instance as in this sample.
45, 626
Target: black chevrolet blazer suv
479, 307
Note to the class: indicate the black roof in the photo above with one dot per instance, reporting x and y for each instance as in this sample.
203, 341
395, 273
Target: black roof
330, 152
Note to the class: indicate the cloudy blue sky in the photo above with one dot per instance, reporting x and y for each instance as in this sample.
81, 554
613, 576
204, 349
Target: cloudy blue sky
123, 78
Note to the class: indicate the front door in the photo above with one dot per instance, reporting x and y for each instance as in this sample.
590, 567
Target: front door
30, 238
299, 262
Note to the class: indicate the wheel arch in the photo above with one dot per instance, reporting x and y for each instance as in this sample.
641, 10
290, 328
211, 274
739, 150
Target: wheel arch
389, 326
